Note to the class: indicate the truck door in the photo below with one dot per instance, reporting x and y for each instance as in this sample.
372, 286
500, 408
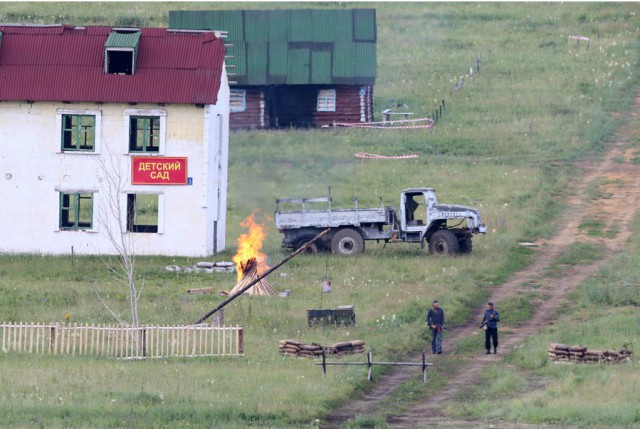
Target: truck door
414, 215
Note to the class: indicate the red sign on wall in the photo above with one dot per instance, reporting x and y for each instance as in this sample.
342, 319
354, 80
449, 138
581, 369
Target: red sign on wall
153, 170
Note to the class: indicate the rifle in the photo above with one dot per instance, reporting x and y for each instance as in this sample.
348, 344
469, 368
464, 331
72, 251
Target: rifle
485, 321
441, 327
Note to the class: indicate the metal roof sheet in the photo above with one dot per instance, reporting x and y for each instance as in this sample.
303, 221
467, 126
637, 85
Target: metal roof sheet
302, 46
65, 63
123, 40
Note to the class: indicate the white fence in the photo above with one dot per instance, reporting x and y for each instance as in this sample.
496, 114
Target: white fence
122, 342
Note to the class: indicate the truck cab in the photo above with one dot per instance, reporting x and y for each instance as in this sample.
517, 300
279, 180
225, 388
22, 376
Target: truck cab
415, 210
446, 228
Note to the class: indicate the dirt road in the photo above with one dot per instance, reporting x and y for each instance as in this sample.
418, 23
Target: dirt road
618, 178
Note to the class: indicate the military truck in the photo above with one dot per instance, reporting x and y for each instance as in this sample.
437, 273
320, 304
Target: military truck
445, 229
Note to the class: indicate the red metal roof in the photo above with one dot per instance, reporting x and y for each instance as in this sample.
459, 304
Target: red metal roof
66, 63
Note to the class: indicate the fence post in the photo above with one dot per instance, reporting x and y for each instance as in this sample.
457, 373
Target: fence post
444, 107
53, 341
369, 375
144, 342
324, 363
424, 366
240, 340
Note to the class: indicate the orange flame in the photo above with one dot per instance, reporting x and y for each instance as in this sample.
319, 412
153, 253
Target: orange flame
250, 245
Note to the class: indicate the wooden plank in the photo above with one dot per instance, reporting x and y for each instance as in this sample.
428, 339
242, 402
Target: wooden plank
203, 290
31, 327
19, 348
37, 338
75, 337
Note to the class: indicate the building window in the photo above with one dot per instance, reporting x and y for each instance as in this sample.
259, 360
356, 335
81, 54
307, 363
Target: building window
327, 100
119, 62
142, 213
238, 100
144, 134
79, 132
76, 210
147, 130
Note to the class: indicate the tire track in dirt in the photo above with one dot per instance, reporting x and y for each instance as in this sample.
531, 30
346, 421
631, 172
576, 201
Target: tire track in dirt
619, 181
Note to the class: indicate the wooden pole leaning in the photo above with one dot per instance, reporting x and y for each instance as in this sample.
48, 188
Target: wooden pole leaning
260, 277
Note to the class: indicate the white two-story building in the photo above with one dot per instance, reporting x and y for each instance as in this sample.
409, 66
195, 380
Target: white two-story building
112, 134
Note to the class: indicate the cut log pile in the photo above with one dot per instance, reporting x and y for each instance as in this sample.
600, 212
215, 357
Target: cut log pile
298, 348
578, 353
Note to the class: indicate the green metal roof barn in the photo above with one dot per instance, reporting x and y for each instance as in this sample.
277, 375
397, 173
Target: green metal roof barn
315, 62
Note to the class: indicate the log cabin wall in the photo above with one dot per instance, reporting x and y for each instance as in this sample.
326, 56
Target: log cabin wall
286, 106
256, 114
351, 106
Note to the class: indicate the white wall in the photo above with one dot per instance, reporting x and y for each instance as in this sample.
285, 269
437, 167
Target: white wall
33, 170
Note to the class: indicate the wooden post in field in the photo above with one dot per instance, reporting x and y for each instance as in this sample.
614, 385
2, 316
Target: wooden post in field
240, 340
424, 366
324, 363
369, 374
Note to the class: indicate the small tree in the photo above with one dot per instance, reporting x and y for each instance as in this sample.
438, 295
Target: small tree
110, 217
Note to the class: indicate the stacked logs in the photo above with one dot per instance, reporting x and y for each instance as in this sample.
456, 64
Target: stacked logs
298, 348
578, 353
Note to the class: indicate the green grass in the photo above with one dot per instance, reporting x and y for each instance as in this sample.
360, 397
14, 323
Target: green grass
602, 315
502, 145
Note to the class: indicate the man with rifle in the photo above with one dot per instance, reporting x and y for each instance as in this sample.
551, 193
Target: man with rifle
435, 322
490, 323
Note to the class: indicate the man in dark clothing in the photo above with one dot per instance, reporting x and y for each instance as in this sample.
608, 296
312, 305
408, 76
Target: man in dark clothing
490, 323
435, 322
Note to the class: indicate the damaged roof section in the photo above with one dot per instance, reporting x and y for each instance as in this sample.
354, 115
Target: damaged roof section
67, 63
294, 47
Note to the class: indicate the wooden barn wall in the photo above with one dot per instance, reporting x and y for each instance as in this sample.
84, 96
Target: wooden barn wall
250, 118
296, 106
348, 108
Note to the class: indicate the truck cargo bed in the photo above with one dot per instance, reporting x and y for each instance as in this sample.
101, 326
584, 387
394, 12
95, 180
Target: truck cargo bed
329, 218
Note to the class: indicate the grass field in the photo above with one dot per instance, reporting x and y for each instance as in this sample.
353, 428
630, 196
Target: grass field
502, 146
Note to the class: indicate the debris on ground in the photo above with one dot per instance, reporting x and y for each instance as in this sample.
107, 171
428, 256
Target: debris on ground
204, 267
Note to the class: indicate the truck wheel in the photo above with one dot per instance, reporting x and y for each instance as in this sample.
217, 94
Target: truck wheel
347, 242
443, 242
312, 249
465, 244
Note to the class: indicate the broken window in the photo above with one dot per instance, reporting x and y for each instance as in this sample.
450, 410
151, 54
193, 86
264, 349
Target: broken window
144, 134
79, 132
76, 210
327, 100
142, 213
119, 62
238, 100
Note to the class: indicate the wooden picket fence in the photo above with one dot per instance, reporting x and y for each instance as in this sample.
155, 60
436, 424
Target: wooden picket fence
122, 342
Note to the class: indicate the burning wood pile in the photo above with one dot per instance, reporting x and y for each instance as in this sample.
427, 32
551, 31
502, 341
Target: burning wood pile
249, 274
578, 353
250, 261
298, 348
